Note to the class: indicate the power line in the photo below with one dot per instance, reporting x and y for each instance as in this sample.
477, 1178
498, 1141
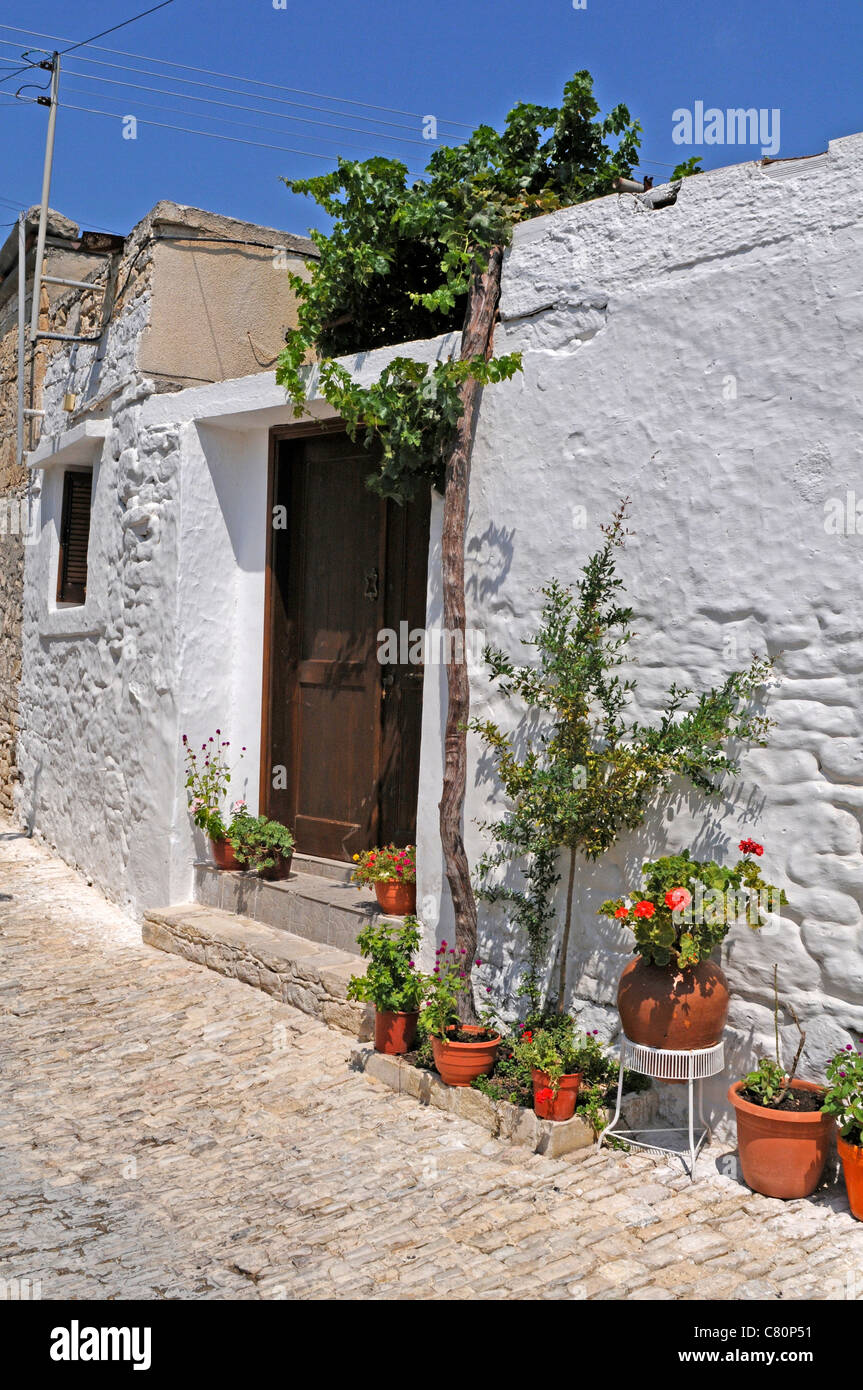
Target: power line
231, 91
224, 120
235, 106
83, 42
235, 77
209, 134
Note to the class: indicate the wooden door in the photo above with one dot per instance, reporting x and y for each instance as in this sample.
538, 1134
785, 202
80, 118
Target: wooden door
340, 758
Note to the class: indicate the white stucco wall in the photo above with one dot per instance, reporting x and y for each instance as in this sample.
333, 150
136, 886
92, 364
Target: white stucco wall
706, 361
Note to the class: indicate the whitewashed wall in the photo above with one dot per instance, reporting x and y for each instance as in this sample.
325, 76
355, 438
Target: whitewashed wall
705, 360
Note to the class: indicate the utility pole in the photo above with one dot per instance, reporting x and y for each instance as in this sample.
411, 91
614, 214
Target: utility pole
46, 189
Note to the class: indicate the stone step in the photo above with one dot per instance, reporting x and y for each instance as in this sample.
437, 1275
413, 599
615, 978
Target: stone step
311, 976
323, 868
314, 906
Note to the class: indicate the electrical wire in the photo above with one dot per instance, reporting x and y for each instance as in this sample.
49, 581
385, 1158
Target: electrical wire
235, 106
225, 120
83, 42
236, 77
209, 134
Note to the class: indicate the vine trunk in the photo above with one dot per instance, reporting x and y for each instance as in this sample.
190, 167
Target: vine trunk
477, 341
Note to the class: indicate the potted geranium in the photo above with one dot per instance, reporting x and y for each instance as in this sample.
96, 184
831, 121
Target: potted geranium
844, 1103
783, 1136
461, 1051
673, 995
262, 846
208, 775
554, 1054
392, 982
393, 872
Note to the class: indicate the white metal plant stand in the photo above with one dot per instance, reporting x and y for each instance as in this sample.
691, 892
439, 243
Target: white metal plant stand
665, 1064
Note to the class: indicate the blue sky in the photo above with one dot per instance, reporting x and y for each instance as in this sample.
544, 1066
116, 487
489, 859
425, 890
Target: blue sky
460, 60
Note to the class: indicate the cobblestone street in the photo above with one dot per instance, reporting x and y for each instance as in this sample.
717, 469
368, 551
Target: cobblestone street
168, 1133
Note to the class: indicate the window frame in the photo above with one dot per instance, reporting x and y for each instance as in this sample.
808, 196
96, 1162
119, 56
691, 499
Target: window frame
69, 593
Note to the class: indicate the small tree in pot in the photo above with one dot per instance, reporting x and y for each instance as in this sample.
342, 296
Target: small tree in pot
591, 771
392, 983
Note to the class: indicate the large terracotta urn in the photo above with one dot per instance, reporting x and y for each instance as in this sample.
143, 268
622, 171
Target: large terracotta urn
663, 1006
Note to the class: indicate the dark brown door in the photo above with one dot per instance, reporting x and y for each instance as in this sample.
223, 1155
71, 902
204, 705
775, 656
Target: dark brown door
341, 731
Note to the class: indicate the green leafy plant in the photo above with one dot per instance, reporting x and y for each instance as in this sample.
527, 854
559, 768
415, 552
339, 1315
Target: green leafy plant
555, 1051
208, 776
687, 907
392, 982
449, 980
687, 168
259, 843
387, 865
844, 1098
591, 773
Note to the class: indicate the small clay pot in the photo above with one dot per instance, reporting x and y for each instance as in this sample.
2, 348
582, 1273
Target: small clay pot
223, 854
662, 1006
395, 1032
396, 899
852, 1167
782, 1152
460, 1062
281, 868
561, 1106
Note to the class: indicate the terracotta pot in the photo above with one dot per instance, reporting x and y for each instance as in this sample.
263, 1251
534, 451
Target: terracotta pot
395, 898
395, 1032
281, 868
223, 854
782, 1153
662, 1006
852, 1167
459, 1062
562, 1106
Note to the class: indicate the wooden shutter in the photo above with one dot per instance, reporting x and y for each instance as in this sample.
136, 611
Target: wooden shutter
74, 537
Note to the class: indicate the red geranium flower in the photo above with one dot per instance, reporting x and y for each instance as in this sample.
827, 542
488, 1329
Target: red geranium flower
751, 847
678, 898
644, 909
545, 1094
622, 912
527, 1036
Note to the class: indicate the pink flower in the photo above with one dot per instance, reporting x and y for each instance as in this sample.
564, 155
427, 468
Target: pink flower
678, 898
238, 806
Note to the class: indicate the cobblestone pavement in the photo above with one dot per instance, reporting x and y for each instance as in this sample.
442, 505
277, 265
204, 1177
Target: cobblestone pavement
168, 1133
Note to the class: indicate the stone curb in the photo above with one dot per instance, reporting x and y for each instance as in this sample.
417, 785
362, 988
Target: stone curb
510, 1123
308, 976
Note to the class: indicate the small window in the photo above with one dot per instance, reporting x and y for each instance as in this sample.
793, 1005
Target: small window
74, 536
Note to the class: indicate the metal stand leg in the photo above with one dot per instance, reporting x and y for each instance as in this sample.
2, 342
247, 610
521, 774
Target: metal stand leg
609, 1127
690, 1086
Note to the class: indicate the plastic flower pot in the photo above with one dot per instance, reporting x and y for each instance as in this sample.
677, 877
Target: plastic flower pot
782, 1152
459, 1063
281, 868
852, 1167
560, 1106
395, 898
223, 854
395, 1032
662, 1006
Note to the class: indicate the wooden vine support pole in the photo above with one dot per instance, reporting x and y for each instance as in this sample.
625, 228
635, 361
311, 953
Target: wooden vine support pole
477, 341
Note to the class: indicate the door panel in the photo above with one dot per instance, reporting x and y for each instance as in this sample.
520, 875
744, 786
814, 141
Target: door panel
346, 565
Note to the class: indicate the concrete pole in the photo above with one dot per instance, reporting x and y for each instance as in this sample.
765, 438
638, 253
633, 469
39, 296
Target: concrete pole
46, 193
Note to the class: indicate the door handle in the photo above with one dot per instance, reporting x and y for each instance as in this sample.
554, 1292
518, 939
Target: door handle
371, 592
